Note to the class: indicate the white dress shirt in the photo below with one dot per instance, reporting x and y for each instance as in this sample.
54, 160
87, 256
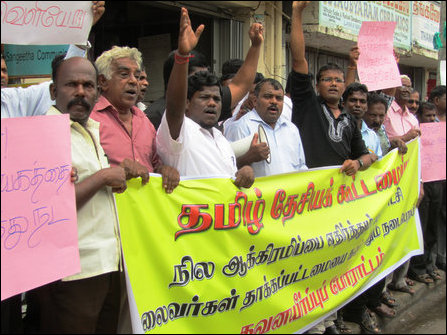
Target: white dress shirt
286, 149
371, 140
196, 152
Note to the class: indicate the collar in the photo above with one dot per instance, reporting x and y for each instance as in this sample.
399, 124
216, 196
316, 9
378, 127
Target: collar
254, 116
90, 122
395, 106
323, 102
198, 127
103, 105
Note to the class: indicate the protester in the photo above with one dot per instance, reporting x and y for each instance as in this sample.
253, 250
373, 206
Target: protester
285, 148
127, 136
143, 84
86, 302
374, 117
414, 101
400, 123
422, 268
437, 97
30, 101
187, 138
355, 102
318, 117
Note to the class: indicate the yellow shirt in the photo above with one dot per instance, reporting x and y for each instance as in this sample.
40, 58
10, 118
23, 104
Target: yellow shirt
98, 232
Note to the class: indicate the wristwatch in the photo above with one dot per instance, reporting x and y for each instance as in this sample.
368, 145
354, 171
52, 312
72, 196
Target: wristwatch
360, 162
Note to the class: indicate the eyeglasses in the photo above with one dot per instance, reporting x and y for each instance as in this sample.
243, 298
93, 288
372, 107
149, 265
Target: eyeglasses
411, 101
330, 80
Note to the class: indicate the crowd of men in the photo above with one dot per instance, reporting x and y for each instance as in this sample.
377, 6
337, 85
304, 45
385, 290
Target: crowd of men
190, 132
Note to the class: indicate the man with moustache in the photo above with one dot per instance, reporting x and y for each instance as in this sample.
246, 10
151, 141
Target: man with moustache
127, 136
414, 101
355, 102
143, 84
87, 302
374, 117
285, 148
399, 122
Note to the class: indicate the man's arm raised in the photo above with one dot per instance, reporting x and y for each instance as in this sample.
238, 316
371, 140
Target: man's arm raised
299, 62
176, 93
244, 78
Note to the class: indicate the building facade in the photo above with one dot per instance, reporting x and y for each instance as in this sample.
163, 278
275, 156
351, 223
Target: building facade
330, 27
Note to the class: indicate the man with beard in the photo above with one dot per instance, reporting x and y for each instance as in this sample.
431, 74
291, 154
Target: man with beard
86, 302
187, 138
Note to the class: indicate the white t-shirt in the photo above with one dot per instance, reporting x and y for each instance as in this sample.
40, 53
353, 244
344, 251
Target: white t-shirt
196, 152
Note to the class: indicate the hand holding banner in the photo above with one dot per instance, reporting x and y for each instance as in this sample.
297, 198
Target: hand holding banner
278, 257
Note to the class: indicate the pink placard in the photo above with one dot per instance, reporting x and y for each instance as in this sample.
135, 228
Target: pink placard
433, 151
376, 67
39, 229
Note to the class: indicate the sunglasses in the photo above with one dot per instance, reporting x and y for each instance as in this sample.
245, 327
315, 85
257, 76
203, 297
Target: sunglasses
411, 101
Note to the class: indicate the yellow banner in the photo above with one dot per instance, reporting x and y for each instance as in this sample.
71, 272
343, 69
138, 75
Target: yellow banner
212, 258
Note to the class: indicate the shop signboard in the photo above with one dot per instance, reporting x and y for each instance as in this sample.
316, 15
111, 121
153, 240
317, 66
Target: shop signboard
349, 15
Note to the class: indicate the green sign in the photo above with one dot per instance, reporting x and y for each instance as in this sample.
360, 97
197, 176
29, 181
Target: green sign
31, 60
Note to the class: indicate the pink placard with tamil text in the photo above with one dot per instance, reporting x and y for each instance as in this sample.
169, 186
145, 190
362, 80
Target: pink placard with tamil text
433, 151
39, 241
377, 67
46, 22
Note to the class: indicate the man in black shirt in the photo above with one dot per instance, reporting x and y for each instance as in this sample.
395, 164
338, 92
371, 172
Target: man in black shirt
330, 136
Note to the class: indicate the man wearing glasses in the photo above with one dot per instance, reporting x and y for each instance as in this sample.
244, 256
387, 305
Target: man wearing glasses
330, 136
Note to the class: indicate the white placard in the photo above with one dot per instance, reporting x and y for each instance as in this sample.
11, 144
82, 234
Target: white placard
46, 22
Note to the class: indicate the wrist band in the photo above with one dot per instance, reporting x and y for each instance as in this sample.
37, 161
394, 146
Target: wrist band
179, 59
352, 67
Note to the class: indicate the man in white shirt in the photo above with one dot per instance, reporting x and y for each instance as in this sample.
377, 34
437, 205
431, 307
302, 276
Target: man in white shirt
285, 148
187, 139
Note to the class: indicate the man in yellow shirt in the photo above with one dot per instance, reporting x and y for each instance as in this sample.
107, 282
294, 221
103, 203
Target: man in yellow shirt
87, 302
